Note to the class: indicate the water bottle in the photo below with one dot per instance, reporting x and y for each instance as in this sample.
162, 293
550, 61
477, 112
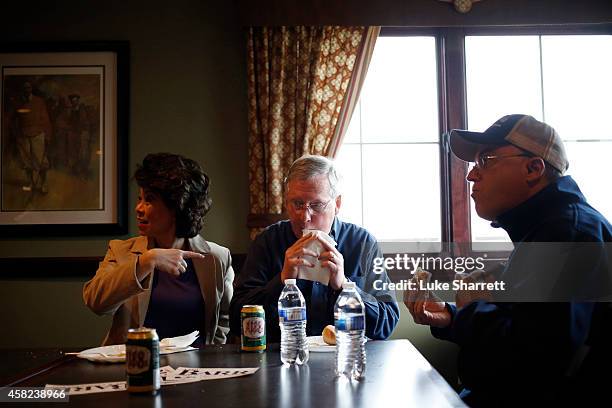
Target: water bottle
292, 320
349, 320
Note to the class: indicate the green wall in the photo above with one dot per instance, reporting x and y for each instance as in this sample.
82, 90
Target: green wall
188, 96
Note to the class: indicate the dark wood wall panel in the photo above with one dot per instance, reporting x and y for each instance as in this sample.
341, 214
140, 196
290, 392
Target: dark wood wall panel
421, 13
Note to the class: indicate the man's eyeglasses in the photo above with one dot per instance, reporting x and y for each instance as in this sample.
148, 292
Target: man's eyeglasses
485, 159
314, 208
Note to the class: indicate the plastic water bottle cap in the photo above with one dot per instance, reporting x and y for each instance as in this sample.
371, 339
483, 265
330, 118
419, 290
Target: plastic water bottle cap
289, 281
347, 285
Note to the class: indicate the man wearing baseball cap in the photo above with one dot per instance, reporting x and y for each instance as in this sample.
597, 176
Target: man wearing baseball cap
544, 340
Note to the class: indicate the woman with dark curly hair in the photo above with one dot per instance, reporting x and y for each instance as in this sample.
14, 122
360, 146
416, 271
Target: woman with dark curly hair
169, 278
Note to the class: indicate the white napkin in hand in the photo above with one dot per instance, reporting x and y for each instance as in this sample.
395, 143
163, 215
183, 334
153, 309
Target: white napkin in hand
420, 279
317, 273
179, 341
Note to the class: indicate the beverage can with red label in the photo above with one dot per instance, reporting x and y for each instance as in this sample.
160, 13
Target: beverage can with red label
253, 331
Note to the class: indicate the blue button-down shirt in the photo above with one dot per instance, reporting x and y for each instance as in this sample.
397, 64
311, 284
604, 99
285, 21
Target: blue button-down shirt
259, 282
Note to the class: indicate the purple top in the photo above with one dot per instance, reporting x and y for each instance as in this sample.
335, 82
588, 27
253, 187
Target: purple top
176, 306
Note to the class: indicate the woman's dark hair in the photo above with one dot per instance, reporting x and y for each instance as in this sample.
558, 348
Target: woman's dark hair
182, 185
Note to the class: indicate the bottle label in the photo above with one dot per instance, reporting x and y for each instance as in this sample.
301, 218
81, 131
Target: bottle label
294, 314
350, 323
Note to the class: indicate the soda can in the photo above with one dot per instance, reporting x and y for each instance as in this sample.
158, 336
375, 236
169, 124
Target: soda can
142, 361
253, 332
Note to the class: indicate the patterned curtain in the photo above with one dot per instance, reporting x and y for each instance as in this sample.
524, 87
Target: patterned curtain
352, 94
298, 78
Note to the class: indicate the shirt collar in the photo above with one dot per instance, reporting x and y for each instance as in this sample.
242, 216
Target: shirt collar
335, 229
521, 219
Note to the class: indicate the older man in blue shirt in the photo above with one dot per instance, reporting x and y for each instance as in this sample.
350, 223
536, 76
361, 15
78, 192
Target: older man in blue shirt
278, 253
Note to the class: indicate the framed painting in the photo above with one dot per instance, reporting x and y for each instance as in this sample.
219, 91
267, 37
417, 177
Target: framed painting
64, 123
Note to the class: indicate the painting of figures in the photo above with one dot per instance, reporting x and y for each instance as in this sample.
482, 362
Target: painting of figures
52, 140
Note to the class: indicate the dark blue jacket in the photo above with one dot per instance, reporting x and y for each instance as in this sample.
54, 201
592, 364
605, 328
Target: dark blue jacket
259, 281
525, 348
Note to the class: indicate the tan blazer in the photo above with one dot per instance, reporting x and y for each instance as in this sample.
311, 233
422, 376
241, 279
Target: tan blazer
115, 289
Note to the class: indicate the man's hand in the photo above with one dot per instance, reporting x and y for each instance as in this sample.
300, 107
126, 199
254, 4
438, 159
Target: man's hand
333, 259
171, 261
465, 297
295, 257
427, 309
432, 313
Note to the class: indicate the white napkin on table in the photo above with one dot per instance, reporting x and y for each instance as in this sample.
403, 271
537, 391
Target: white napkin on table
179, 341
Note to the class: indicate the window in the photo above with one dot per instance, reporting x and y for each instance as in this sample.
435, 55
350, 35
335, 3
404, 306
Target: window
562, 80
393, 135
397, 173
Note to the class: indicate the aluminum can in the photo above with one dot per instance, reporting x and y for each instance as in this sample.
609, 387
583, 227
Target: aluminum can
253, 331
142, 361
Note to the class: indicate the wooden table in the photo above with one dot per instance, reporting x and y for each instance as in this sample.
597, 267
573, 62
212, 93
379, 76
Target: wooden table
396, 375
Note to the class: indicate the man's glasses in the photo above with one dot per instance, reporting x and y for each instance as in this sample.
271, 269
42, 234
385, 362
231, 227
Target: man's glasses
314, 208
485, 159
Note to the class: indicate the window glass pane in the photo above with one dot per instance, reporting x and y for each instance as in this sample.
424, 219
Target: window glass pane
482, 231
577, 85
502, 77
588, 167
498, 83
399, 96
401, 191
349, 165
576, 82
398, 106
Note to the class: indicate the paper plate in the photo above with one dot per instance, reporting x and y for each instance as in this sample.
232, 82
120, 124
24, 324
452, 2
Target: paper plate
116, 353
317, 345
